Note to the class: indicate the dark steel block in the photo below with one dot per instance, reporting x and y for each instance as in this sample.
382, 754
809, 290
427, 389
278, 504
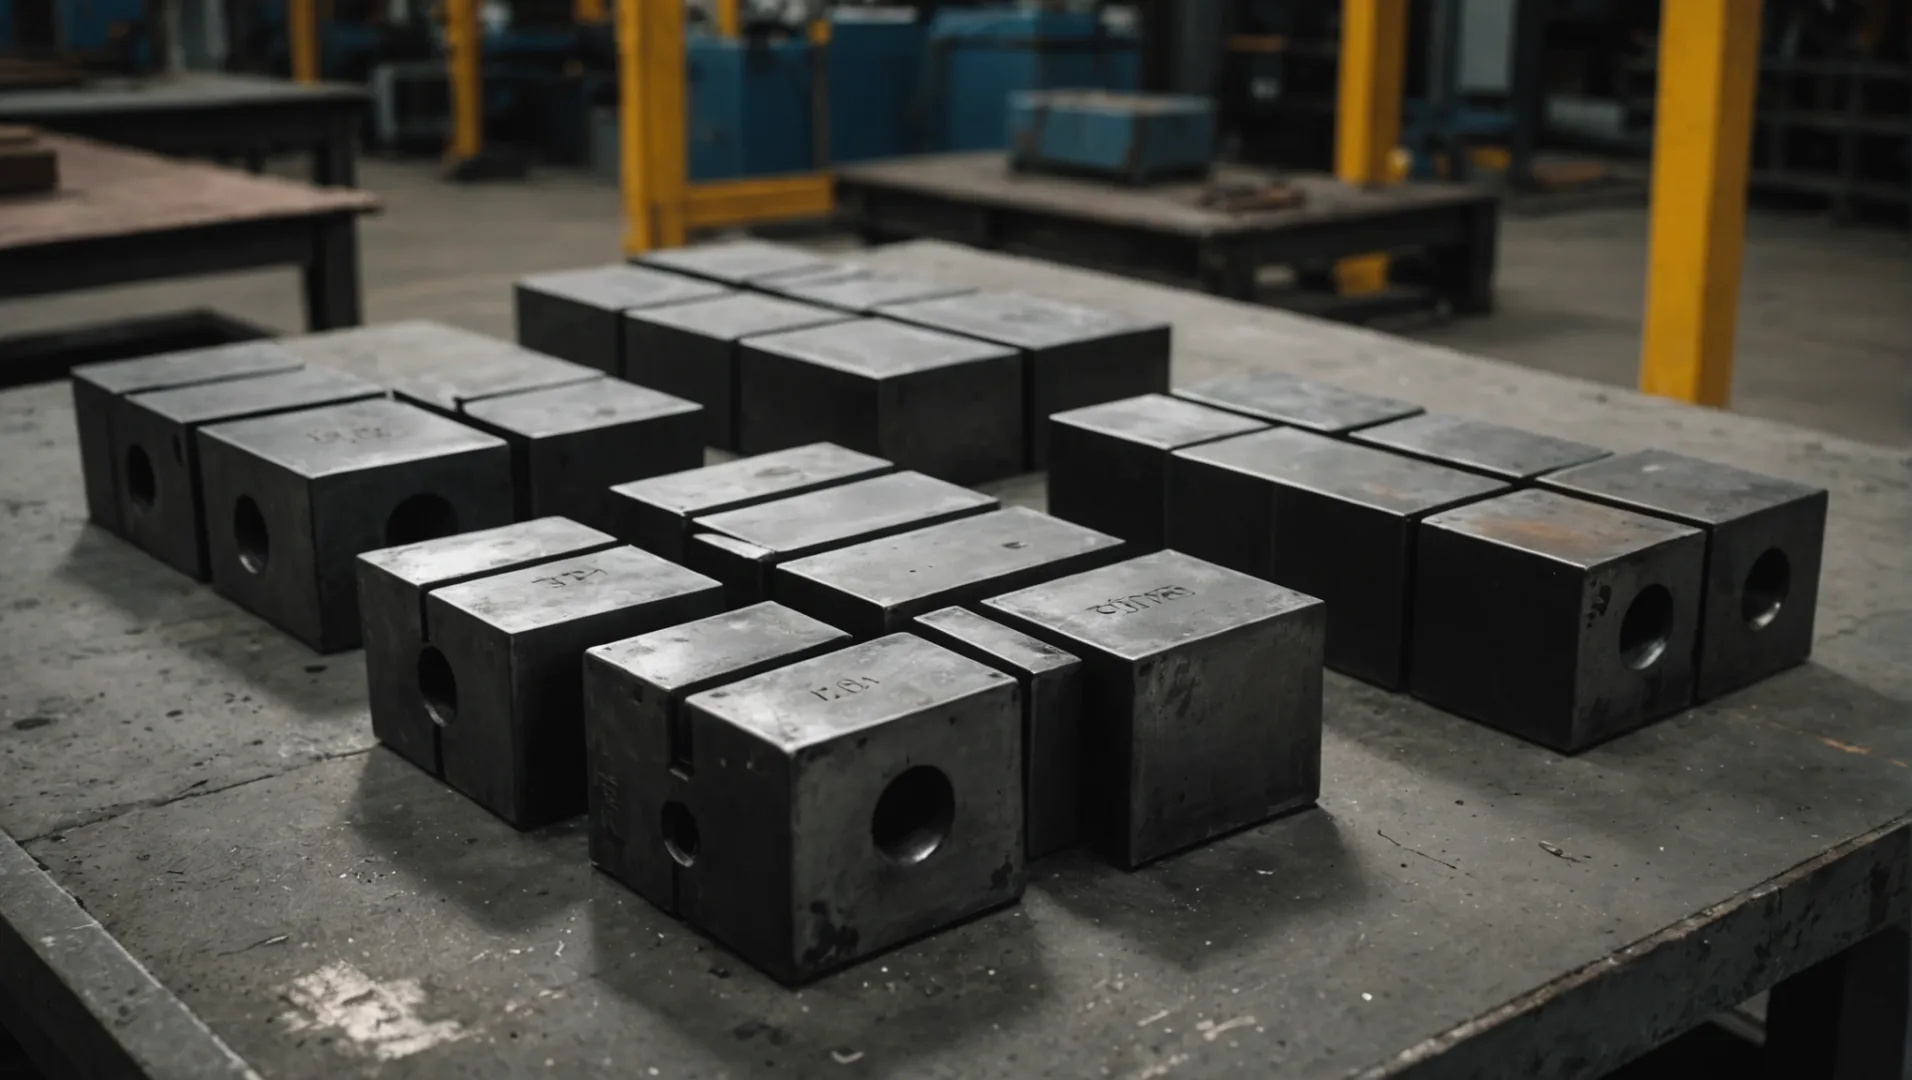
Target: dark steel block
638, 738
741, 547
96, 386
1108, 464
879, 586
437, 366
392, 584
849, 803
1051, 682
578, 315
1074, 356
1296, 402
1478, 446
1201, 696
501, 672
736, 262
569, 444
941, 404
1329, 518
656, 514
1559, 620
691, 350
1764, 541
292, 499
161, 497
865, 293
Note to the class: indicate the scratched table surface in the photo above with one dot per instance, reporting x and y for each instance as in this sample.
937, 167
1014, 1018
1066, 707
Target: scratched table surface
1460, 903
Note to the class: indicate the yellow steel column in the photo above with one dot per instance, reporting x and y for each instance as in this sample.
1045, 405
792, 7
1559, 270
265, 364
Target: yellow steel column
1702, 136
588, 11
633, 180
1367, 121
463, 60
727, 19
650, 63
302, 37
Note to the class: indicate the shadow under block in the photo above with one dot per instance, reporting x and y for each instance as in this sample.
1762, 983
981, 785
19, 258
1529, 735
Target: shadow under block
1495, 450
578, 315
293, 499
505, 654
1559, 620
1292, 401
1201, 699
392, 584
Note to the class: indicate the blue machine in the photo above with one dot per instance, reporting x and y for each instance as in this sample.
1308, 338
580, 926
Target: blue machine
976, 58
750, 108
875, 58
1131, 137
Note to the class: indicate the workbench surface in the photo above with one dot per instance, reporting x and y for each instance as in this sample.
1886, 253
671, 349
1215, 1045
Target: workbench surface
1461, 903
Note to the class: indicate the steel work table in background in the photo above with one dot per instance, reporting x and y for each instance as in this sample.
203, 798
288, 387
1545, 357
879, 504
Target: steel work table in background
1460, 904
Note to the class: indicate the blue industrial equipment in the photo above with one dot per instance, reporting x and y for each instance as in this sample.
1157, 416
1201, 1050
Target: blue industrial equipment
977, 57
750, 108
875, 61
1131, 137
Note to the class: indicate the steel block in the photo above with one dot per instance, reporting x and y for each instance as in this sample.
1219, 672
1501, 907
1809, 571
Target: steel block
938, 403
638, 737
656, 514
736, 262
578, 315
1108, 464
161, 496
97, 386
1764, 541
437, 366
291, 499
865, 293
392, 583
1296, 402
1074, 356
501, 671
691, 350
849, 803
1201, 696
741, 547
1559, 620
879, 586
1478, 446
1051, 682
569, 444
1329, 518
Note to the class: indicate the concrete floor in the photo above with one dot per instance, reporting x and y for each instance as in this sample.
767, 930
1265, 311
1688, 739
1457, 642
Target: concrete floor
1825, 328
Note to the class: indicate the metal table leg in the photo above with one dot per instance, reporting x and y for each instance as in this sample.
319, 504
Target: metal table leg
332, 275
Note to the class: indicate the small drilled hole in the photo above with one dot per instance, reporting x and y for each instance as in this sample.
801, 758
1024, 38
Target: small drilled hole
1767, 584
437, 686
913, 815
421, 517
141, 486
250, 536
680, 833
1647, 625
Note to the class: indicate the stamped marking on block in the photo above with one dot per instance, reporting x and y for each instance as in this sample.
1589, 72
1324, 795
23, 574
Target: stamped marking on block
1142, 601
380, 1019
361, 434
568, 577
855, 684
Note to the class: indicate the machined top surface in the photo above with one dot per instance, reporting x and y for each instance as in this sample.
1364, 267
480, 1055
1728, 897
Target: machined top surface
561, 410
1570, 530
927, 561
819, 699
451, 557
1158, 420
1019, 319
237, 360
438, 364
737, 315
819, 517
1506, 452
620, 287
491, 374
1285, 399
715, 487
1674, 485
344, 438
878, 348
862, 292
583, 585
1011, 646
734, 262
207, 402
694, 652
1357, 474
1143, 606
1114, 101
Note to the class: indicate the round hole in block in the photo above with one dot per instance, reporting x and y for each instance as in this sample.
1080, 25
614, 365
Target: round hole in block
913, 815
249, 535
1767, 584
1646, 626
141, 486
680, 833
437, 686
420, 517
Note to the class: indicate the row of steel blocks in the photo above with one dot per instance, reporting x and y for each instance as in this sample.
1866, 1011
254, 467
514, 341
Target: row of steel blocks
1536, 584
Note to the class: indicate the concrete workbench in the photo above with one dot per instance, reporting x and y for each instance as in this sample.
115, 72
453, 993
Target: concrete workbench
1460, 904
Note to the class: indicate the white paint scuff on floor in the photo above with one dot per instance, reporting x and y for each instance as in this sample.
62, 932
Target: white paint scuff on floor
380, 1019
